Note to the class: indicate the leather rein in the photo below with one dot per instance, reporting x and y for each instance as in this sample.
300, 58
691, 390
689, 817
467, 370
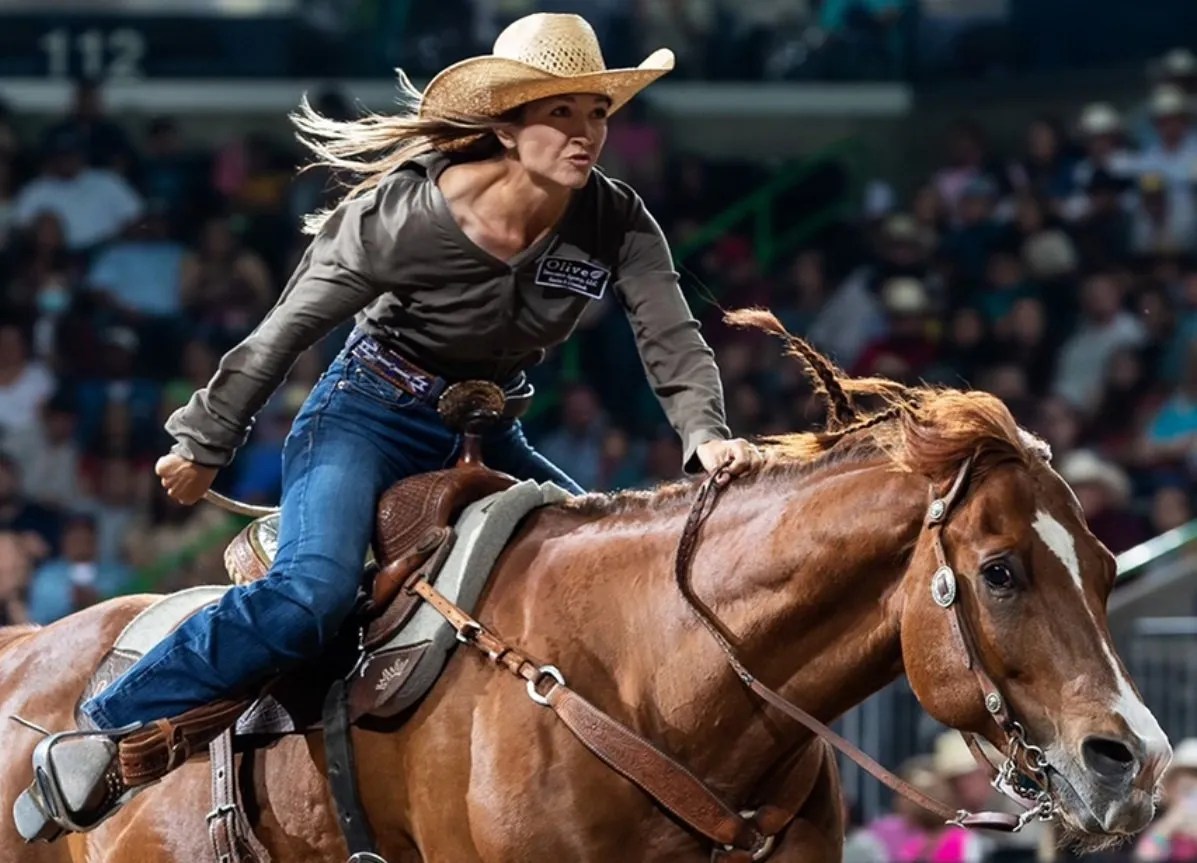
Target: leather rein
743, 836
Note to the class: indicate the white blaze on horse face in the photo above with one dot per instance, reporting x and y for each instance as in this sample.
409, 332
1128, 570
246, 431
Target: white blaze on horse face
1061, 543
1127, 704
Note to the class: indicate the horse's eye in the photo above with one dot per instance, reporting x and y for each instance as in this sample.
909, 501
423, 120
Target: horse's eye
998, 576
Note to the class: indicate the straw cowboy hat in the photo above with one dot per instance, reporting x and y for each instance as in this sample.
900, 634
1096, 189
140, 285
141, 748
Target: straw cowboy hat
952, 757
1083, 466
536, 57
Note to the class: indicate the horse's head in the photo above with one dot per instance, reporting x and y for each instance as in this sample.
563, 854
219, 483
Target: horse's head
1002, 609
1010, 639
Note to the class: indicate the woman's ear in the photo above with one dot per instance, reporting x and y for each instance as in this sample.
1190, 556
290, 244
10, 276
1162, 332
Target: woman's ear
506, 136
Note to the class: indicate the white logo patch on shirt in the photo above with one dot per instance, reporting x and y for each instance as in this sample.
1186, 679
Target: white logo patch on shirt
581, 277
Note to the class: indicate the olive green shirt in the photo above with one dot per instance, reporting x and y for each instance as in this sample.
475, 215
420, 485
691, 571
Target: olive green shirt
398, 260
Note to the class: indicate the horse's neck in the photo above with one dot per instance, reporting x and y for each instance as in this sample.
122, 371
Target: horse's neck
804, 572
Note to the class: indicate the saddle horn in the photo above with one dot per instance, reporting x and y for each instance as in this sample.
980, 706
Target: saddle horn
471, 408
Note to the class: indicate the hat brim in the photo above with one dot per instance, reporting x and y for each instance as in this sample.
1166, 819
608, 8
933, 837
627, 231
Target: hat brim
491, 86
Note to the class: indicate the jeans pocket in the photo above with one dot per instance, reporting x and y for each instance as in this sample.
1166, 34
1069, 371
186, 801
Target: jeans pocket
360, 381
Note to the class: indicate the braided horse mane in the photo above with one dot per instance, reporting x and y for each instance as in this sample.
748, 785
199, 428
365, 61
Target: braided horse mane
926, 430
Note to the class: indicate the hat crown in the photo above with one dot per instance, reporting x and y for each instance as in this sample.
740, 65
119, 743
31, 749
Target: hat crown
559, 44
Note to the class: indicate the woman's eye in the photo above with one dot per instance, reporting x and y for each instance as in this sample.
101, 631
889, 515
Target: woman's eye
998, 576
600, 114
560, 111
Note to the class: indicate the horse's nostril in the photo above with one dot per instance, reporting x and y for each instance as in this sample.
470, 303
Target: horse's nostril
1109, 759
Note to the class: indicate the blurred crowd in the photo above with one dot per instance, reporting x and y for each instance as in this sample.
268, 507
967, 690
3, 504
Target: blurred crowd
950, 773
712, 39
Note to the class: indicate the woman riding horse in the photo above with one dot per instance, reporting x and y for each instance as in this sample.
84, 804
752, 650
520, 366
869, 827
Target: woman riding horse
478, 234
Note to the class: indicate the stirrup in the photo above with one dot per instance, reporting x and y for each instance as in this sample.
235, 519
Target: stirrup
67, 796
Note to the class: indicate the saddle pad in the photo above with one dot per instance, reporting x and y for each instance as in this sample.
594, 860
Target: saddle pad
400, 672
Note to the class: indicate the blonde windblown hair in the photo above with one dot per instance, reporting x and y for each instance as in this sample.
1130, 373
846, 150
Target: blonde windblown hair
370, 147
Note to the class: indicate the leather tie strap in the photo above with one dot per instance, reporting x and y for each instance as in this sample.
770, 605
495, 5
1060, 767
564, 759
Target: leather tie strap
636, 759
228, 827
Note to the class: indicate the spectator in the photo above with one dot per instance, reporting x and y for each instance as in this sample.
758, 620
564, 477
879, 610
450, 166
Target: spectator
44, 280
16, 566
197, 364
578, 443
1171, 434
1104, 328
120, 490
171, 177
94, 204
971, 789
1160, 225
104, 143
1171, 507
911, 834
968, 161
1023, 339
906, 350
1173, 836
1176, 68
1174, 152
967, 349
1103, 138
1046, 168
36, 527
51, 457
225, 287
118, 406
853, 315
1004, 285
977, 231
1103, 225
1104, 492
76, 579
1126, 398
25, 385
139, 277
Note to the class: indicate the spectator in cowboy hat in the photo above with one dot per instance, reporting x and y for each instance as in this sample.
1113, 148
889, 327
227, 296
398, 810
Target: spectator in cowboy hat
971, 788
1102, 135
1173, 836
1104, 491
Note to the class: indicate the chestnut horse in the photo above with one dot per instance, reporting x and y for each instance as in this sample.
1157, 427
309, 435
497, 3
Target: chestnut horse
820, 567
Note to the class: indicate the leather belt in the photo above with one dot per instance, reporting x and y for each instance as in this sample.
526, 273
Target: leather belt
402, 373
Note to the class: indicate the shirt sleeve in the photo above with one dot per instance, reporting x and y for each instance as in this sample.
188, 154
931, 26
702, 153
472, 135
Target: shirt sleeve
335, 280
680, 366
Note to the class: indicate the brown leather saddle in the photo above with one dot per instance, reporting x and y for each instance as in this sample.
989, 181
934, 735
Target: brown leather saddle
414, 523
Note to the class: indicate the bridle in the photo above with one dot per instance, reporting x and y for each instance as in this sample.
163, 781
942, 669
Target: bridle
749, 835
1023, 759
1022, 777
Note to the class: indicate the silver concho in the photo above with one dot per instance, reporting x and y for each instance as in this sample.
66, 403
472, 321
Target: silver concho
943, 587
993, 702
937, 510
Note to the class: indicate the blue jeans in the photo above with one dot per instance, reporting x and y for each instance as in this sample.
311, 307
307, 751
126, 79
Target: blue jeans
355, 435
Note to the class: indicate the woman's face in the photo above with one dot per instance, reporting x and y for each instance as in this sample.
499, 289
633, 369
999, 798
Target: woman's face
559, 139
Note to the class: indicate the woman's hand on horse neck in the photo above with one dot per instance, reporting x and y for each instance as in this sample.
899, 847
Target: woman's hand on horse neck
738, 456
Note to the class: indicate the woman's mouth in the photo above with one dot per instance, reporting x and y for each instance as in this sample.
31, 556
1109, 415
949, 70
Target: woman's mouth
582, 160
